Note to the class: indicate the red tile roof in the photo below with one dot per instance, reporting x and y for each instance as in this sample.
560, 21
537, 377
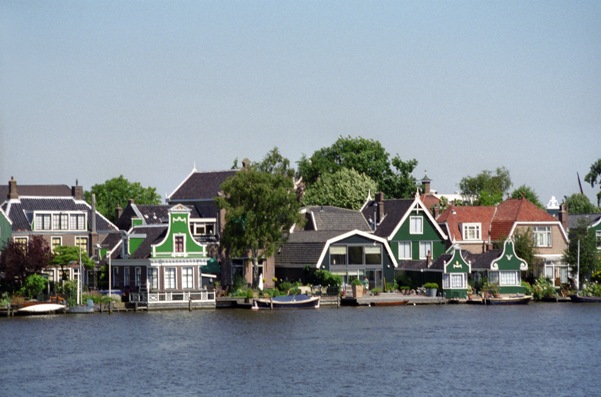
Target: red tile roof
454, 216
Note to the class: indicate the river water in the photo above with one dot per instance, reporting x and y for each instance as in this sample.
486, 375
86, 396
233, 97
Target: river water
534, 350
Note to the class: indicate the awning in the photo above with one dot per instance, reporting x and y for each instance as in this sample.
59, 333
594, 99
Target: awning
212, 267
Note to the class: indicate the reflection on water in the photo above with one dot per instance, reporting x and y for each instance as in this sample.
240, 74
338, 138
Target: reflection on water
538, 349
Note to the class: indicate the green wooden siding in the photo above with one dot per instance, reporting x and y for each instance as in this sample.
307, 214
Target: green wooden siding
429, 234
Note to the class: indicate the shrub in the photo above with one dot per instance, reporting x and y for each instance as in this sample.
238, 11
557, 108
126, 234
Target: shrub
543, 288
431, 285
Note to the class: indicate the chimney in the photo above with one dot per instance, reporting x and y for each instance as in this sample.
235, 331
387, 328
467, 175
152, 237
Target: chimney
380, 206
563, 215
77, 191
118, 212
12, 189
436, 211
245, 164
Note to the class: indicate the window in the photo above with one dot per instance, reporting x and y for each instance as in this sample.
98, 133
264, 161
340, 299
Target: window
55, 242
43, 222
471, 231
454, 281
416, 225
425, 248
82, 243
373, 255
493, 277
153, 278
404, 249
170, 278
337, 255
115, 280
598, 234
60, 222
179, 243
542, 236
355, 255
138, 276
203, 228
187, 278
509, 278
126, 276
77, 222
21, 241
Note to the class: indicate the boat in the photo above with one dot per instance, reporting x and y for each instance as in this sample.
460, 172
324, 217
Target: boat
389, 303
508, 300
585, 299
36, 307
299, 301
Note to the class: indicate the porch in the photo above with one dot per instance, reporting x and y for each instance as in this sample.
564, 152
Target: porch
155, 300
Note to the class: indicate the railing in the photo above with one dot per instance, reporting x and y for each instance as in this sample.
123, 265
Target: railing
172, 297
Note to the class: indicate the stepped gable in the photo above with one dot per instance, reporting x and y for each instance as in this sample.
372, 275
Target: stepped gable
201, 185
511, 211
454, 216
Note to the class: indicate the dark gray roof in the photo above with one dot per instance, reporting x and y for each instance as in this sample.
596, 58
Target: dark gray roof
333, 218
37, 191
394, 211
21, 212
154, 235
299, 254
574, 220
200, 186
152, 214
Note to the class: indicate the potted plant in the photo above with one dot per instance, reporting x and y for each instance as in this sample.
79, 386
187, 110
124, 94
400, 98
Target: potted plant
357, 288
431, 289
405, 289
376, 291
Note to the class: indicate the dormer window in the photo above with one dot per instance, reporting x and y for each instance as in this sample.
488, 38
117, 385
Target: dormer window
472, 231
542, 236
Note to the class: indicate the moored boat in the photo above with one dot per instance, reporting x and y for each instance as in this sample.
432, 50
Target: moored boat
300, 301
508, 300
585, 299
35, 307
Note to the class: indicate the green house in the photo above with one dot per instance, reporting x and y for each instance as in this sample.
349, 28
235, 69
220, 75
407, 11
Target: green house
455, 275
506, 270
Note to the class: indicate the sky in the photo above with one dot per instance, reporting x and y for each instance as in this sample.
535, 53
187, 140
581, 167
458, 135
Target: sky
91, 90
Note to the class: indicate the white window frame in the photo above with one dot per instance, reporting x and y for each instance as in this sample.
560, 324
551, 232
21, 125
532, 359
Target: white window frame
454, 281
542, 236
153, 278
77, 222
43, 221
187, 277
509, 278
416, 225
423, 249
175, 238
598, 235
53, 239
472, 231
170, 278
405, 250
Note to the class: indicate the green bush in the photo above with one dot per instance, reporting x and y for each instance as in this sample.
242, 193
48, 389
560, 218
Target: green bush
543, 288
356, 281
326, 279
376, 290
431, 285
527, 287
592, 289
393, 286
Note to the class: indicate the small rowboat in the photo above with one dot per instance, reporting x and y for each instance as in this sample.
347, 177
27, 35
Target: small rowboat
509, 300
300, 301
585, 299
35, 307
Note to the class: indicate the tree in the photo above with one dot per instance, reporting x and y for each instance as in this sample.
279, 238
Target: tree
365, 156
528, 193
486, 188
594, 176
117, 192
33, 286
582, 252
345, 188
275, 163
260, 207
579, 203
525, 248
18, 261
66, 255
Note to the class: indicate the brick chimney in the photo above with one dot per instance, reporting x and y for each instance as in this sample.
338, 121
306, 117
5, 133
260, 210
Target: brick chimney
380, 202
563, 215
77, 191
118, 212
12, 189
426, 184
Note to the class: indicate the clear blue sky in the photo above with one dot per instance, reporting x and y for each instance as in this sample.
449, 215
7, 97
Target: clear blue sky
91, 90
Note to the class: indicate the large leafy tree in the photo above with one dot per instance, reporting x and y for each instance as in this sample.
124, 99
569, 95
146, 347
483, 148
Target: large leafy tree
19, 261
593, 177
366, 156
486, 188
528, 193
579, 203
525, 248
345, 188
260, 207
117, 192
67, 255
582, 252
